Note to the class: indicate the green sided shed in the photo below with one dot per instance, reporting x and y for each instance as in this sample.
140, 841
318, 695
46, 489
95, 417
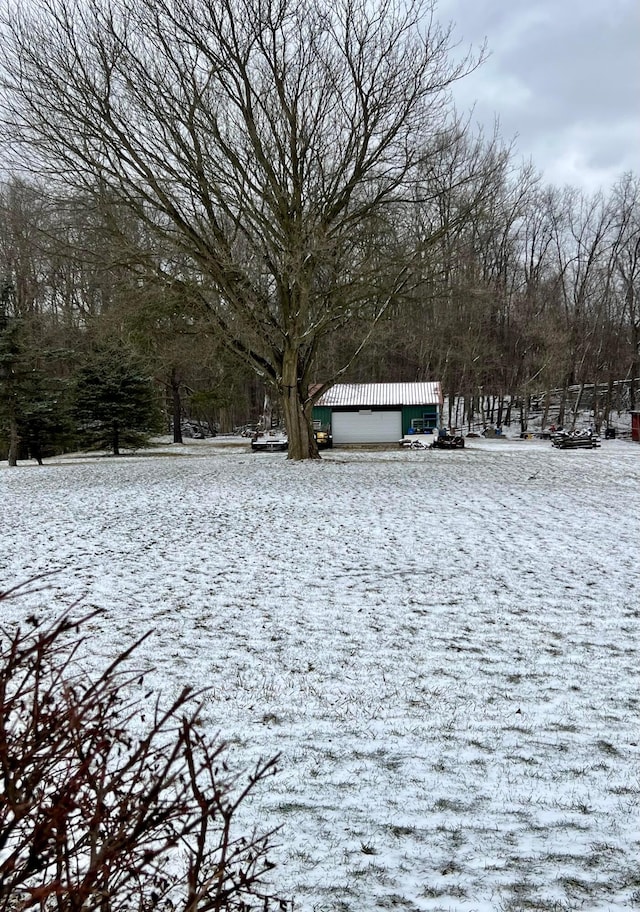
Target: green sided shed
378, 412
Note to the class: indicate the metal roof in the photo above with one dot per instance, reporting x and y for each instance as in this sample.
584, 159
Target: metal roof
366, 395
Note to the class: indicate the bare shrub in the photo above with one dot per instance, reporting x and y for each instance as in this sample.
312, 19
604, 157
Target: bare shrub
109, 801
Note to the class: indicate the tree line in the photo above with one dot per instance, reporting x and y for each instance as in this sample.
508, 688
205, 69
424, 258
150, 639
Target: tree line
536, 294
255, 195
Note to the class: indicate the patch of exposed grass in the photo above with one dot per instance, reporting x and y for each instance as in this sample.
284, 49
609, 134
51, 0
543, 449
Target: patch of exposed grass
400, 831
395, 901
623, 790
520, 758
575, 885
480, 745
607, 748
454, 835
292, 807
451, 804
367, 848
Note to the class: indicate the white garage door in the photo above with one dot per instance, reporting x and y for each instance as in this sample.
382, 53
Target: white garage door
366, 427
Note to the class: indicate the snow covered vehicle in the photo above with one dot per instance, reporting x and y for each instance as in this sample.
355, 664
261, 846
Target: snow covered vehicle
276, 440
272, 441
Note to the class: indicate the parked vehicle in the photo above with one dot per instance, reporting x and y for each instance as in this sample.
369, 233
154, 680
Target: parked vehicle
323, 436
272, 441
448, 442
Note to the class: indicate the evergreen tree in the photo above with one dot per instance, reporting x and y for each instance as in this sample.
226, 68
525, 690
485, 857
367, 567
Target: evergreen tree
116, 404
34, 416
44, 422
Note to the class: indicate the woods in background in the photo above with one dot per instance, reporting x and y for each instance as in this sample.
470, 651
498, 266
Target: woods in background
250, 196
537, 292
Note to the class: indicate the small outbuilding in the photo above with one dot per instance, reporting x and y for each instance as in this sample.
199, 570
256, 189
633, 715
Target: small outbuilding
378, 412
635, 426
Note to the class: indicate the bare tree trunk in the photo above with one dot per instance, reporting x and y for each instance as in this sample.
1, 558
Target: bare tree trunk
608, 402
115, 439
597, 407
14, 442
297, 414
176, 405
468, 410
545, 411
563, 405
481, 410
267, 413
302, 443
225, 420
459, 400
576, 407
635, 365
507, 417
524, 414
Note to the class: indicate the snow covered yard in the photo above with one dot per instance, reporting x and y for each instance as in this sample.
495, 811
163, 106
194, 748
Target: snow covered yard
443, 645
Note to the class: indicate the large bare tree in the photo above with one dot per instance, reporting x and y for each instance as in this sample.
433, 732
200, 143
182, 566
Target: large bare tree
271, 141
627, 264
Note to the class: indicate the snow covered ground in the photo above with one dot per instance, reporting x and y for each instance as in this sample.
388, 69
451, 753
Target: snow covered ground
443, 645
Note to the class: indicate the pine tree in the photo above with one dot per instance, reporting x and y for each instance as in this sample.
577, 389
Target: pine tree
116, 405
34, 415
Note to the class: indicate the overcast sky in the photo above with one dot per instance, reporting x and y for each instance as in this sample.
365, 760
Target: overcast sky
564, 75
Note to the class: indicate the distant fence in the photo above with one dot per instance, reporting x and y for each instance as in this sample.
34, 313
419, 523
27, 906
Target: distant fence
590, 402
616, 395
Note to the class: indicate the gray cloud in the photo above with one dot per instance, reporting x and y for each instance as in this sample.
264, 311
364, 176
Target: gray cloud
563, 76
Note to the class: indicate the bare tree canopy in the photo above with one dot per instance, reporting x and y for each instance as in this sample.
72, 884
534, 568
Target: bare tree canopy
269, 141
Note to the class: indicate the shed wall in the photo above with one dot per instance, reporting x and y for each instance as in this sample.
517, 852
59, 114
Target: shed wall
427, 414
322, 414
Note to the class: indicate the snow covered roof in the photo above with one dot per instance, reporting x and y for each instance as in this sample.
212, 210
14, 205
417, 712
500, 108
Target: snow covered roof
372, 394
